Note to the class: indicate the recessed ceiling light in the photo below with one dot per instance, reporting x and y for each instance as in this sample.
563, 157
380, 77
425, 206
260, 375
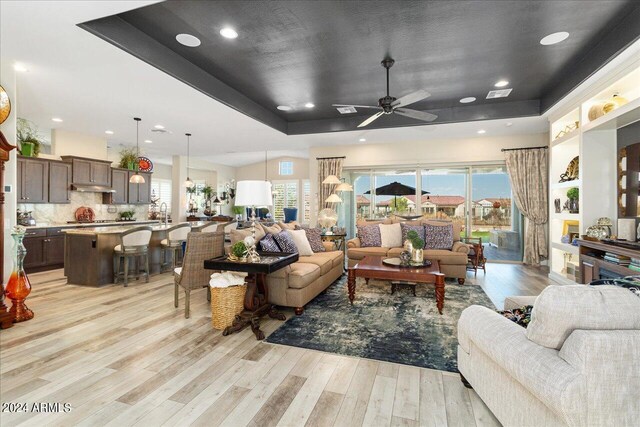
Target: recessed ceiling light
108, 132
363, 139
501, 83
228, 33
467, 100
148, 141
20, 68
159, 127
188, 40
554, 38
284, 108
509, 124
57, 119
481, 131
309, 105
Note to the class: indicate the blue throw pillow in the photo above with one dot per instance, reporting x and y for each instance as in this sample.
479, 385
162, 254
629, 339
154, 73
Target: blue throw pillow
268, 244
285, 242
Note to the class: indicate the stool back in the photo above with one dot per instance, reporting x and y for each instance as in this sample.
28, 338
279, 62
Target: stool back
178, 233
214, 226
136, 239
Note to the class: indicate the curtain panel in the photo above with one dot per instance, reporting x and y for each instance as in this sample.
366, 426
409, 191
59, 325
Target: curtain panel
326, 167
528, 173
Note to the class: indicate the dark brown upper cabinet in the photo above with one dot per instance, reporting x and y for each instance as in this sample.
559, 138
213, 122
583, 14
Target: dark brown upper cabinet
59, 182
33, 180
140, 194
89, 171
120, 184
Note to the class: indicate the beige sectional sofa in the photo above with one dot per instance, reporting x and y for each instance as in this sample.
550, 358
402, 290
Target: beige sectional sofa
297, 284
453, 262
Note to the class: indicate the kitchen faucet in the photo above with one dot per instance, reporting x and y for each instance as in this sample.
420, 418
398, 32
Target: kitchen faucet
166, 217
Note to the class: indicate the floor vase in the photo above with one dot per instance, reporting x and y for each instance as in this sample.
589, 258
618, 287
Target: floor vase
18, 288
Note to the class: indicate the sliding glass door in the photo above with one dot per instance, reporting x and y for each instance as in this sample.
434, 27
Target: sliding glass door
447, 194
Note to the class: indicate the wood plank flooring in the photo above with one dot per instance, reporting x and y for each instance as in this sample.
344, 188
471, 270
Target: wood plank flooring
125, 356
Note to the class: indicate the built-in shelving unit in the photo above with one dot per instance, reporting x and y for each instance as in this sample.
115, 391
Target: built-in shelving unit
594, 142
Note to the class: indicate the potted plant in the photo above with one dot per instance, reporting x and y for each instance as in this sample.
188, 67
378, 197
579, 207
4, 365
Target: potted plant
238, 211
207, 191
417, 246
128, 158
28, 138
127, 215
573, 194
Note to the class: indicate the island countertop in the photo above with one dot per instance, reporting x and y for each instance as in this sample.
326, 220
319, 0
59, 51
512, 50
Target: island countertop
122, 228
92, 224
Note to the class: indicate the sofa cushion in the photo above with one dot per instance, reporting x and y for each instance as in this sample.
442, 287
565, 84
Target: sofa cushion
268, 244
369, 235
285, 242
407, 227
302, 274
559, 310
320, 259
438, 236
390, 235
359, 253
239, 235
299, 238
446, 257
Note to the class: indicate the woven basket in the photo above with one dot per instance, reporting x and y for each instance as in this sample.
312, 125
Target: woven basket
225, 304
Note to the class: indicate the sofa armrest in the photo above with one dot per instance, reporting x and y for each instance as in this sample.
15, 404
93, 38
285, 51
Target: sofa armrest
460, 247
538, 369
353, 243
329, 246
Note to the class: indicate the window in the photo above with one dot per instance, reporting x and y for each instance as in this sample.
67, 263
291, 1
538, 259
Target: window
286, 168
161, 188
286, 196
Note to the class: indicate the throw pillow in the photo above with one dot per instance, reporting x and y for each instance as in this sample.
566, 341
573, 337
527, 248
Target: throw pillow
369, 235
521, 316
390, 235
285, 242
407, 228
239, 235
438, 236
299, 238
314, 236
274, 229
289, 226
268, 244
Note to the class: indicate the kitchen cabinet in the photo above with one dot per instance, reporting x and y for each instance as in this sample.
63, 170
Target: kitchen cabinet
45, 249
33, 180
89, 171
120, 184
140, 194
59, 182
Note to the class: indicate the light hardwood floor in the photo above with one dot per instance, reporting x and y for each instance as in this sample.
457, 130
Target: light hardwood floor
125, 356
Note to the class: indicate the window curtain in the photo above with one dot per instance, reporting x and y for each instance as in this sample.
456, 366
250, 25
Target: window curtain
326, 167
528, 173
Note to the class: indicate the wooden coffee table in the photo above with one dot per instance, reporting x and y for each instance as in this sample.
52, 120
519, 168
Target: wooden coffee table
372, 267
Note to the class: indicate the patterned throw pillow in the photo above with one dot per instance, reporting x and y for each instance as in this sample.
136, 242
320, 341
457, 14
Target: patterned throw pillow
369, 235
285, 242
314, 236
268, 244
407, 228
438, 236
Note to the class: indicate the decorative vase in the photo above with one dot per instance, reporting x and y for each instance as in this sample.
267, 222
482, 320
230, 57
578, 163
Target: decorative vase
26, 149
574, 206
408, 246
18, 287
616, 101
131, 165
417, 255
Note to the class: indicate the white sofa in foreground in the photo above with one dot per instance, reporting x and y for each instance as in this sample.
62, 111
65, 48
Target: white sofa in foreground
577, 363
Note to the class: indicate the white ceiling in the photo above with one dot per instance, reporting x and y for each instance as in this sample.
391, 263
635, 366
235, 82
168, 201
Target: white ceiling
94, 86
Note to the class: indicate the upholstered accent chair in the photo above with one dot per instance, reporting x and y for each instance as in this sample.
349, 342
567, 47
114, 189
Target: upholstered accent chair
192, 275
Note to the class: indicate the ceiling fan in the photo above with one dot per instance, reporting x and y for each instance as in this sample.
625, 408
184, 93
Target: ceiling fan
390, 105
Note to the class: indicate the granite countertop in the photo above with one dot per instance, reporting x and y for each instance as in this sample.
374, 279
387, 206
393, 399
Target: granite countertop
91, 224
119, 229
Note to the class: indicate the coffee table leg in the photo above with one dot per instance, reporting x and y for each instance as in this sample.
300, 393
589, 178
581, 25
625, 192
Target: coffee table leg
440, 292
351, 284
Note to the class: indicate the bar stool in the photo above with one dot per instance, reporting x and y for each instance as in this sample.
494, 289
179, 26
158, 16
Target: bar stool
176, 236
212, 227
134, 243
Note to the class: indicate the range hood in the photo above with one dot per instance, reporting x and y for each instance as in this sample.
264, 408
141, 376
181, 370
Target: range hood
87, 188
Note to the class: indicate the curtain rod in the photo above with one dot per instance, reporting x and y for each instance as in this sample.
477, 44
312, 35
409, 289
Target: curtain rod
326, 158
525, 148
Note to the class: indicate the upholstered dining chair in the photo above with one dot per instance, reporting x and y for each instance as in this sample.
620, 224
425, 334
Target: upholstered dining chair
176, 236
192, 275
290, 214
134, 244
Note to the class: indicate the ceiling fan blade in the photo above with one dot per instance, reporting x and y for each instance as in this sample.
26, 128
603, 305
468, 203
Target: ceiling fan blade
411, 98
357, 106
415, 114
370, 119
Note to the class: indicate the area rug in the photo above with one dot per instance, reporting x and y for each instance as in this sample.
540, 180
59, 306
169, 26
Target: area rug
396, 328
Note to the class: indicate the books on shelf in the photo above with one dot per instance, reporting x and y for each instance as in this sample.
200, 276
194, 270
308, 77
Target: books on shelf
619, 259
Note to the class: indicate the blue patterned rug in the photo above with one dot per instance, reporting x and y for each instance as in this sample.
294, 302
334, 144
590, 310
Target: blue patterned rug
396, 328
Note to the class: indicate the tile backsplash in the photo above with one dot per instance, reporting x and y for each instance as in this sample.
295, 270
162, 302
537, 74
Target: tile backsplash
50, 213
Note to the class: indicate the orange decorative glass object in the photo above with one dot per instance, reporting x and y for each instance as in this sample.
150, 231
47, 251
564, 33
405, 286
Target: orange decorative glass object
18, 288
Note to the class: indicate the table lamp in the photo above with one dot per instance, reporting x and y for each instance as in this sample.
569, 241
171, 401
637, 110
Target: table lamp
253, 194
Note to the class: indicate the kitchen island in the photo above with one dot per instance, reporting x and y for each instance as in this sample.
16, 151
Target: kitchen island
88, 257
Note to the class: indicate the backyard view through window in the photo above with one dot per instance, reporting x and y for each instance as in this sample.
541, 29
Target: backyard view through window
477, 198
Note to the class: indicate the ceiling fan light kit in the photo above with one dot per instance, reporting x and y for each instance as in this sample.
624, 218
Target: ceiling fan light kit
391, 105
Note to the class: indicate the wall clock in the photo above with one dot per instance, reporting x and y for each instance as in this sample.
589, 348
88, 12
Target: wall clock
145, 164
5, 105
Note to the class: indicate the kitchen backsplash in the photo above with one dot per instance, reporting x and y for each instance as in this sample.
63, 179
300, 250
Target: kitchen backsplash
50, 213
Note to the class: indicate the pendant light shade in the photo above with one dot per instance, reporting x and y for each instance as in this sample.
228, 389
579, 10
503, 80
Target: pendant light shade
188, 183
136, 178
344, 186
334, 198
331, 179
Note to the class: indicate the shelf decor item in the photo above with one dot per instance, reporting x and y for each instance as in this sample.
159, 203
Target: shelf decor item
627, 229
573, 194
596, 111
573, 170
128, 158
144, 164
18, 288
28, 137
616, 101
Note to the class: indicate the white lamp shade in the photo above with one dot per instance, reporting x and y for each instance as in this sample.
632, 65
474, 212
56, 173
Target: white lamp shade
334, 198
253, 193
331, 179
344, 187
136, 178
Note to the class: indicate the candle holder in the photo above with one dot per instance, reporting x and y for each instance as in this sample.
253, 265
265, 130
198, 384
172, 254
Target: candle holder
18, 288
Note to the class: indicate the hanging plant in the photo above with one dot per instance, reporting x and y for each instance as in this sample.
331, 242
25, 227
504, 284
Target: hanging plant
207, 191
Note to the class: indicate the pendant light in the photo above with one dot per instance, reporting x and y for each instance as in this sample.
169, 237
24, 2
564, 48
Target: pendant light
136, 178
188, 183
